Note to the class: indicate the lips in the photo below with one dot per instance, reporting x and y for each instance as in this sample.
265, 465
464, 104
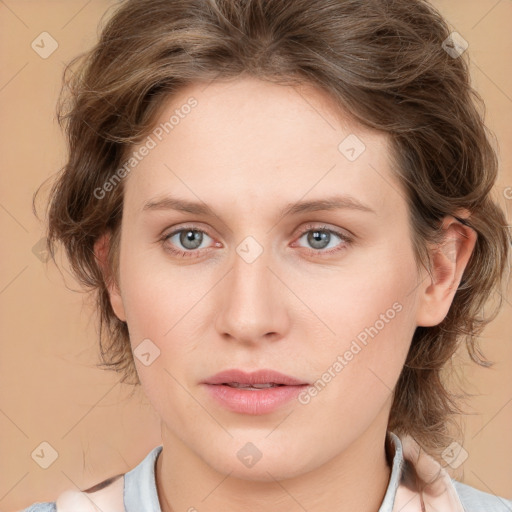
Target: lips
260, 379
254, 393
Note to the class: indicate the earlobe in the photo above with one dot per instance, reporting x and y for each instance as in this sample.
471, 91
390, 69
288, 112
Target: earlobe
448, 262
101, 251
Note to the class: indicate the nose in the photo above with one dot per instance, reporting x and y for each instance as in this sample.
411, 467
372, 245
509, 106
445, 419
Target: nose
252, 303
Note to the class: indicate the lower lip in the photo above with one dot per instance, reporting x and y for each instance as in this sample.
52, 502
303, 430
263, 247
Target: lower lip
253, 401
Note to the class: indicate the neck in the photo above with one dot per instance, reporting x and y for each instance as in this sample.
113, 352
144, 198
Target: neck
355, 479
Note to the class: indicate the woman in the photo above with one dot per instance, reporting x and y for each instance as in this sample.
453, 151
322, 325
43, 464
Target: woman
285, 211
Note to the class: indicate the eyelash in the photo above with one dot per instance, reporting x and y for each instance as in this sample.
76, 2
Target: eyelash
310, 227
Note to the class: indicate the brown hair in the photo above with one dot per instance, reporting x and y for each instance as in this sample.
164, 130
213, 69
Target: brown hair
384, 62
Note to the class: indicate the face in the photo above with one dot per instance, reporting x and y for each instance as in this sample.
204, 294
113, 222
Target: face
327, 296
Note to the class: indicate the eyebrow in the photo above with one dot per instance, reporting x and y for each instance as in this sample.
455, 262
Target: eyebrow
197, 208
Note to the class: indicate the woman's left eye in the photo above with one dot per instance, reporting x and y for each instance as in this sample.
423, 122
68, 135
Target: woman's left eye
191, 239
320, 238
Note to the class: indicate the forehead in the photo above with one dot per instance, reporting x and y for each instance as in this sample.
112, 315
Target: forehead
259, 141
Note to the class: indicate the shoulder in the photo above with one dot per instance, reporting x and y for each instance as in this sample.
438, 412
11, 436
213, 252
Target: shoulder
109, 495
474, 500
106, 496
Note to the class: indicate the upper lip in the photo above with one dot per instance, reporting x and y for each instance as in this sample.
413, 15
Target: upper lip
265, 376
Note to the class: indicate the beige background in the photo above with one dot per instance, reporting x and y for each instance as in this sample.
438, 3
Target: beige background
49, 389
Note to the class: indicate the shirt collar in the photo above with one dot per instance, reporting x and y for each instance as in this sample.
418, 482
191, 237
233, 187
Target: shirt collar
140, 493
395, 454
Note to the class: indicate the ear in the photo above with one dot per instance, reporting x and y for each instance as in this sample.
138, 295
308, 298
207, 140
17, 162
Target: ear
449, 259
101, 247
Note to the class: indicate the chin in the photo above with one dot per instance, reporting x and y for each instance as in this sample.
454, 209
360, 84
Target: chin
261, 461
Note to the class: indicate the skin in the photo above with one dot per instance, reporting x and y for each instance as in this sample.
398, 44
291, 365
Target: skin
247, 149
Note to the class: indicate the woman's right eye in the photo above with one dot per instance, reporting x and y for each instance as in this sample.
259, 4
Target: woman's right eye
189, 238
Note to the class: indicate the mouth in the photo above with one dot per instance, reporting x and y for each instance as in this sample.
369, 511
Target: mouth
261, 379
254, 393
256, 387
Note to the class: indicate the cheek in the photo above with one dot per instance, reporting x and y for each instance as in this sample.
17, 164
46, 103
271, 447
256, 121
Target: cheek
370, 314
166, 305
155, 292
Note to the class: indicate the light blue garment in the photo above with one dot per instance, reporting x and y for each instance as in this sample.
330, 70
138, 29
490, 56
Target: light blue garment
41, 507
140, 493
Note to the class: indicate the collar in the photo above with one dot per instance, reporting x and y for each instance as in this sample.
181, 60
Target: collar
424, 485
